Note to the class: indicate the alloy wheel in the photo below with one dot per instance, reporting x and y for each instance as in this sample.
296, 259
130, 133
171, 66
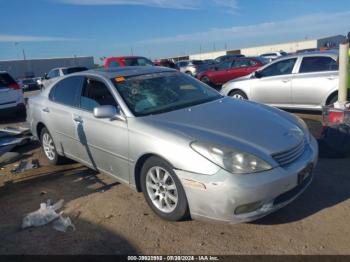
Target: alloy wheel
161, 189
49, 147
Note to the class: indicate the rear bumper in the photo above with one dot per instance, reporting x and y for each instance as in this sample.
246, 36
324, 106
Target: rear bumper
218, 197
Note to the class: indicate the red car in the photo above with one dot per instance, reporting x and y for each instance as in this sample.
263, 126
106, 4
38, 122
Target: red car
127, 61
221, 73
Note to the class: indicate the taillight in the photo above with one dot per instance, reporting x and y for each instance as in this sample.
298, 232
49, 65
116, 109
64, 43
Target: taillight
335, 117
14, 86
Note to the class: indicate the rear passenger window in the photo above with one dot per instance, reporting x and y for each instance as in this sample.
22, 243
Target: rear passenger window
318, 64
67, 90
113, 63
94, 94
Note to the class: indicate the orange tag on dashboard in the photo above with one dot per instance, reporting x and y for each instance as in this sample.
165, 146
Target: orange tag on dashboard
119, 79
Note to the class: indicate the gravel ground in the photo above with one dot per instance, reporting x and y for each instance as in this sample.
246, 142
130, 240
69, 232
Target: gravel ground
110, 218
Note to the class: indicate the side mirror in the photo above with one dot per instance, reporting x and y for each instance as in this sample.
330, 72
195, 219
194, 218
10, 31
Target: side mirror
258, 74
108, 111
45, 76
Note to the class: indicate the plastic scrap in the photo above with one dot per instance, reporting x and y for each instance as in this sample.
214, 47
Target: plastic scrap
63, 223
14, 131
26, 165
44, 215
6, 141
8, 158
5, 149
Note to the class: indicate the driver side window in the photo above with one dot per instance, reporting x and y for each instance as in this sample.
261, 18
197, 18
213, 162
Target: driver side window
283, 67
95, 93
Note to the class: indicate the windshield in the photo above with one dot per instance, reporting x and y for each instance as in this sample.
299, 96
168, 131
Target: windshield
138, 62
163, 92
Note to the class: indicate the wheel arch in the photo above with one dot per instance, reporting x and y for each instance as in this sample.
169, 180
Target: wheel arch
237, 89
39, 128
330, 97
138, 167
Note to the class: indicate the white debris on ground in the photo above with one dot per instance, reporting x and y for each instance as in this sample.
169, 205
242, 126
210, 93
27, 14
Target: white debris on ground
46, 214
63, 223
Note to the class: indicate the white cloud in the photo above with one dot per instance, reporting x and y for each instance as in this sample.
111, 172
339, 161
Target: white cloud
313, 25
171, 4
27, 38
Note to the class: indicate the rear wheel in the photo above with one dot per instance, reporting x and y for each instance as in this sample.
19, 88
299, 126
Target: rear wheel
163, 190
49, 148
238, 94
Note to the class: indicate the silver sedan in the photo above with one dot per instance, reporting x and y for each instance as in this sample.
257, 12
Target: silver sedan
189, 150
302, 81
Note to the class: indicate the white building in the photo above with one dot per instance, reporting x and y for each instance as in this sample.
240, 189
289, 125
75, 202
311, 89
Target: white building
290, 47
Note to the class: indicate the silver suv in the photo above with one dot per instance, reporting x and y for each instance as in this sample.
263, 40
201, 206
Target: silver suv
302, 81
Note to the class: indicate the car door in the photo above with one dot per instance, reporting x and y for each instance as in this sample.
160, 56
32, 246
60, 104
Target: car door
274, 83
219, 75
59, 114
317, 77
239, 67
104, 142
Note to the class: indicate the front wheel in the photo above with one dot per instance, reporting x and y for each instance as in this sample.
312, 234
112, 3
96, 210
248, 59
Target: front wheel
238, 94
206, 80
163, 190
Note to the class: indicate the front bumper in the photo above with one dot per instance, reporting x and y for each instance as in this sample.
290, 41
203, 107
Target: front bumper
216, 197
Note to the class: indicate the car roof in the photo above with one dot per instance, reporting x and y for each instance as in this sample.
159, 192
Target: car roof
332, 53
124, 57
128, 71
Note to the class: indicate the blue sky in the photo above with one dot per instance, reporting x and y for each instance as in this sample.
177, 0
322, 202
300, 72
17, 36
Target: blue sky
159, 28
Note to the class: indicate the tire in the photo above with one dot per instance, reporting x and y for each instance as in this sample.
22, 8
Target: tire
238, 94
21, 111
169, 198
49, 149
206, 80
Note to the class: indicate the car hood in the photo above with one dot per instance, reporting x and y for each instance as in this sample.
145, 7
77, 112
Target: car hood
240, 124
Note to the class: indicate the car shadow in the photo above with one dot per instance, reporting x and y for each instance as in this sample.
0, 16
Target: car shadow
329, 187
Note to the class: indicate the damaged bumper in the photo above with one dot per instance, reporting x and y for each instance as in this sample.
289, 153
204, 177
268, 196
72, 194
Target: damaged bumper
230, 198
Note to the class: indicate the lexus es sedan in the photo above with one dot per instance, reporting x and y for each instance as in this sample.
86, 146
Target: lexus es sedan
189, 150
302, 81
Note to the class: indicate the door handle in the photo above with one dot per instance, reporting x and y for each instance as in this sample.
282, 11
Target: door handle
285, 80
46, 110
78, 119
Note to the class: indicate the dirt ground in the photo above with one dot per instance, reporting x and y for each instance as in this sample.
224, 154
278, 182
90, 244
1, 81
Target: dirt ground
110, 218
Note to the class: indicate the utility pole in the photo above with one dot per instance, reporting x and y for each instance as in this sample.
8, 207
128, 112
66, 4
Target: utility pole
24, 54
131, 51
343, 74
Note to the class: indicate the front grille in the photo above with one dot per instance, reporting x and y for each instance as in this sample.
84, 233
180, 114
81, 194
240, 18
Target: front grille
289, 156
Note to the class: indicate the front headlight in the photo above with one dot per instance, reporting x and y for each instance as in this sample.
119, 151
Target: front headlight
232, 160
305, 128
